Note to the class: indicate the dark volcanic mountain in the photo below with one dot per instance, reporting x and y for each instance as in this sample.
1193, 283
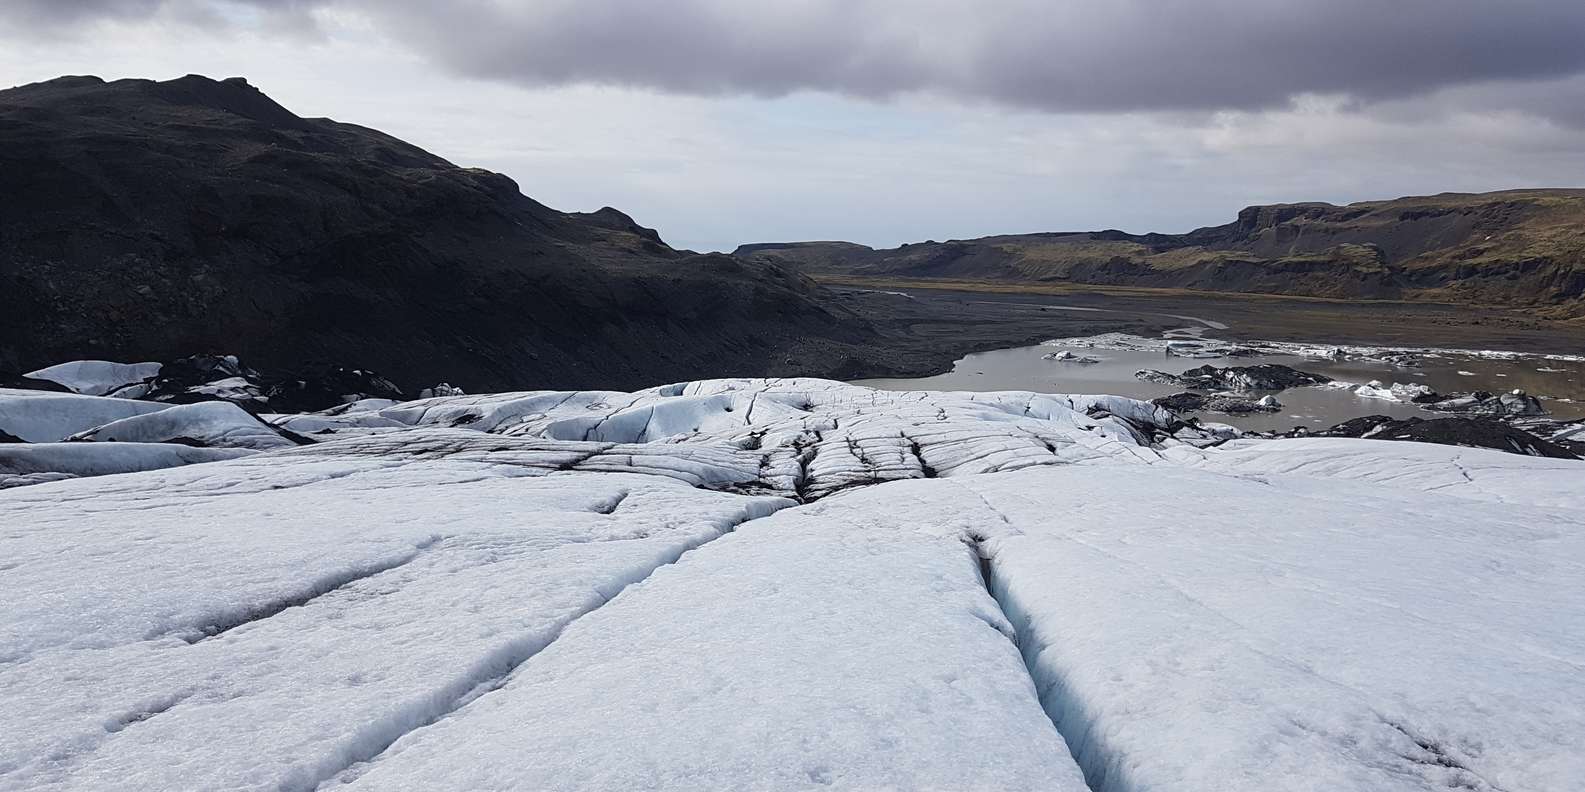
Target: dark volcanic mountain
1518, 248
146, 220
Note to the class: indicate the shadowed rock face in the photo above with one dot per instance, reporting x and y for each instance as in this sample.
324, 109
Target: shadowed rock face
151, 220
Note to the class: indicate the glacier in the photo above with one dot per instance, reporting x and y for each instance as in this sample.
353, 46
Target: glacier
774, 584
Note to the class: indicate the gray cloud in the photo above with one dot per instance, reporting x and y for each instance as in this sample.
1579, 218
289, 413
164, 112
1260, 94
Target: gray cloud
1072, 55
715, 172
1050, 55
67, 18
47, 14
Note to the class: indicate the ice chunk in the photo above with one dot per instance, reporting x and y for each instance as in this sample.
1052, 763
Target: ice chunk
96, 377
1399, 392
215, 424
34, 463
45, 417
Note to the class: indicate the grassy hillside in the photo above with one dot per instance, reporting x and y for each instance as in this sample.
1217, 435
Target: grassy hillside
1519, 247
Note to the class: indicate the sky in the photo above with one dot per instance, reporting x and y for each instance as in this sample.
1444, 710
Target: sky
722, 122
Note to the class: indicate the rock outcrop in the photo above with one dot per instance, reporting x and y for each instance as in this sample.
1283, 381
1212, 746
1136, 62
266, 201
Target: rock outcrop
1468, 432
145, 220
1515, 403
1225, 403
1516, 247
1264, 377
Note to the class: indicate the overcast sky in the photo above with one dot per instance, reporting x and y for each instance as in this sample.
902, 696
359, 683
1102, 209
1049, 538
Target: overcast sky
728, 121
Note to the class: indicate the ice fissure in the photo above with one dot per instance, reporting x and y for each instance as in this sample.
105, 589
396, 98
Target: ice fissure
319, 588
144, 713
1075, 732
479, 591
485, 676
1438, 755
1102, 767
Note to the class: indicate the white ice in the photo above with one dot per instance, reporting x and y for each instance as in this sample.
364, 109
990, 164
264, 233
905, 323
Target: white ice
264, 623
473, 592
46, 417
96, 377
33, 463
214, 424
1209, 632
1375, 389
819, 648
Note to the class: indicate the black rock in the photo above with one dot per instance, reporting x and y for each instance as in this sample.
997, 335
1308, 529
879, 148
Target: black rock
203, 369
1469, 432
1401, 359
1264, 377
1217, 403
194, 379
1160, 378
334, 387
1354, 427
1564, 433
1181, 402
1515, 403
440, 389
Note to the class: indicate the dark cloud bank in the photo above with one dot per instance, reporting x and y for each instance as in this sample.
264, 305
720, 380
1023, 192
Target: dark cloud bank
1086, 55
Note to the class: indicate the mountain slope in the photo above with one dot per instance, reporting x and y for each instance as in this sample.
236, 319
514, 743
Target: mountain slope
152, 220
1521, 247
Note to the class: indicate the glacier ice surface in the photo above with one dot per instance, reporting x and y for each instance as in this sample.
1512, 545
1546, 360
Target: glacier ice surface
781, 584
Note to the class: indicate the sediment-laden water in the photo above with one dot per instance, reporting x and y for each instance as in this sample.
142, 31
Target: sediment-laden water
1559, 383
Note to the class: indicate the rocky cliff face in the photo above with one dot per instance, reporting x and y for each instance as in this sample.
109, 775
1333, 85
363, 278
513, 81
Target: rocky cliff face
1523, 247
153, 220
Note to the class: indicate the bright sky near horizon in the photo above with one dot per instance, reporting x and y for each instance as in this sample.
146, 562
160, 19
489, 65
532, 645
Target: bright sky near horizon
721, 122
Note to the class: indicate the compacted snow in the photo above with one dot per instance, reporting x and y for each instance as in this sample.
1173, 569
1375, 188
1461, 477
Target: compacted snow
776, 584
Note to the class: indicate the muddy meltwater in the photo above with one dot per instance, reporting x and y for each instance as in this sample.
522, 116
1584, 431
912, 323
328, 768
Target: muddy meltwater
1560, 383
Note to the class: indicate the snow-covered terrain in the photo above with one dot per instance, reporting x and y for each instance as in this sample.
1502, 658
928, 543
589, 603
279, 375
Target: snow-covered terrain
775, 584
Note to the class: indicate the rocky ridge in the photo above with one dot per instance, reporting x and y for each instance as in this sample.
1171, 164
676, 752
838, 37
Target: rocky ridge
150, 220
1516, 248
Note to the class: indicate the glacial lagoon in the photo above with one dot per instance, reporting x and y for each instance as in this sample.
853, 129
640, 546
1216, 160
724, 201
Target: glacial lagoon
1560, 384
